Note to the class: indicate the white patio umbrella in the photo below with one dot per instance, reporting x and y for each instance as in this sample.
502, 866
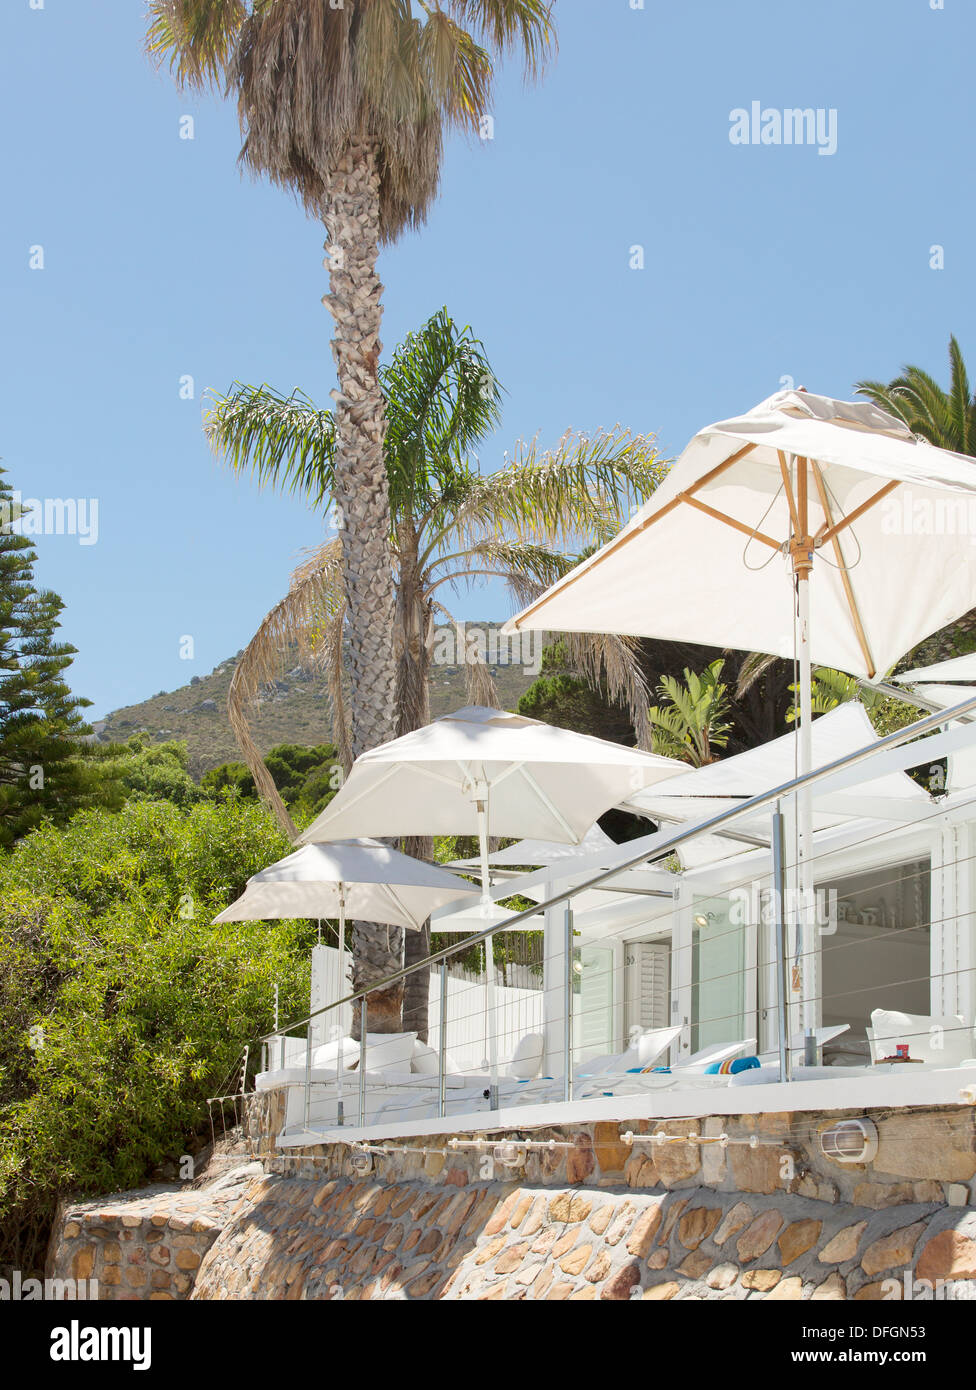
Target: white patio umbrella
946, 682
800, 488
359, 878
943, 684
486, 772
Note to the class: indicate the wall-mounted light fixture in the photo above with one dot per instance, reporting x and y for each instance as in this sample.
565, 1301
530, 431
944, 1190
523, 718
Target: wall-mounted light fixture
849, 1141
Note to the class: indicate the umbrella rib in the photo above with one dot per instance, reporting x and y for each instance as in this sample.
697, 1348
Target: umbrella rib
354, 797
560, 820
788, 485
749, 531
828, 533
399, 903
845, 577
627, 533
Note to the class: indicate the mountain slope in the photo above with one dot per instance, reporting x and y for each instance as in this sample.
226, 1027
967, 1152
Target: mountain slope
296, 709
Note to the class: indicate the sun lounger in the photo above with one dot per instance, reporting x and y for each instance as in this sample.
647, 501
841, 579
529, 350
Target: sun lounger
798, 1042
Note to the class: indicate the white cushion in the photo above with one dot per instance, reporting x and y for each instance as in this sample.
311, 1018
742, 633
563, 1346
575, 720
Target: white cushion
424, 1059
527, 1057
940, 1040
389, 1051
328, 1054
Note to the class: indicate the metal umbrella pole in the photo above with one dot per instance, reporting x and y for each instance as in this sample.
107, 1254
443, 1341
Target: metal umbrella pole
481, 806
340, 1052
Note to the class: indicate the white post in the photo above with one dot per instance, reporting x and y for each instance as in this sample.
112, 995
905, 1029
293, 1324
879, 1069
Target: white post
481, 806
553, 984
806, 916
340, 1057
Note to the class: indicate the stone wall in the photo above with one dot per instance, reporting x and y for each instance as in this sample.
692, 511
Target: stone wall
147, 1244
723, 1207
366, 1240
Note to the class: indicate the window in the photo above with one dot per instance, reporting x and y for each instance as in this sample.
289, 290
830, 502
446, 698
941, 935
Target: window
718, 965
875, 948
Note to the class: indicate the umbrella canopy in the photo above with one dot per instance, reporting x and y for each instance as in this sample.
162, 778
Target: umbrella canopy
362, 879
487, 772
808, 528
525, 852
706, 791
800, 482
957, 668
530, 780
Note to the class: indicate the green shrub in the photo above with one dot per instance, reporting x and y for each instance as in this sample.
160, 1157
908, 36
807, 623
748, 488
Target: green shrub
122, 1008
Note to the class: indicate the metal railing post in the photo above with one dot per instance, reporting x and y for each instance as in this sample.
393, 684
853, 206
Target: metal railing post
568, 1011
442, 1048
308, 1070
362, 1061
782, 946
282, 1052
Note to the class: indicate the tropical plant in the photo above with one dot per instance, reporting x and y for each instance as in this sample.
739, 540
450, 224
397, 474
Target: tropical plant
830, 688
945, 418
691, 722
451, 525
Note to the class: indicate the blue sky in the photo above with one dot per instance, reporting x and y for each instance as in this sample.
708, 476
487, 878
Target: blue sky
761, 262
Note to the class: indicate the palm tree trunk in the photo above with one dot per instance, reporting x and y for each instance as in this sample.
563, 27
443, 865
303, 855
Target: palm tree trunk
351, 213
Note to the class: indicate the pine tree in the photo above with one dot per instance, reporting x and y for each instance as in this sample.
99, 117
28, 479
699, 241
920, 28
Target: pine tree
41, 774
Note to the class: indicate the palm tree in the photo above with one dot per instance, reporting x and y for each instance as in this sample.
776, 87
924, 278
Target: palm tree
346, 104
948, 420
450, 525
945, 418
691, 723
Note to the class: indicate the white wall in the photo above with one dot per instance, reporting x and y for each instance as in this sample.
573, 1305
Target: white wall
518, 1011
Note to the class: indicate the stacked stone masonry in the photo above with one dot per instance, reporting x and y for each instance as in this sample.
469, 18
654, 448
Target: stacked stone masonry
594, 1218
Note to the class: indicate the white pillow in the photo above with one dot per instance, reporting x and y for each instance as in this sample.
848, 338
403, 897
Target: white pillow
389, 1051
424, 1059
941, 1041
527, 1057
328, 1054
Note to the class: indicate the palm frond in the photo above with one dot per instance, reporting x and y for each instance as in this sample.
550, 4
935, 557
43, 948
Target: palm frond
945, 419
753, 668
295, 628
522, 26
610, 662
479, 683
284, 441
582, 490
195, 37
442, 399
